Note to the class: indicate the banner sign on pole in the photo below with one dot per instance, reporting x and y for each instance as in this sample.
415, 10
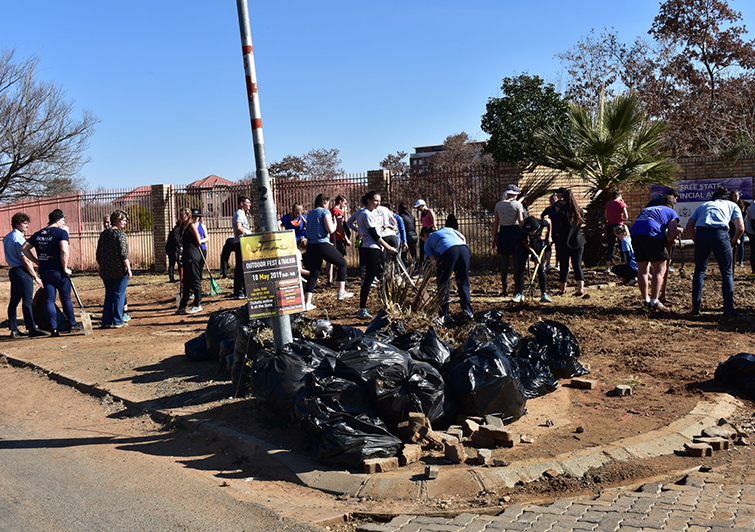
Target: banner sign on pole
694, 192
271, 274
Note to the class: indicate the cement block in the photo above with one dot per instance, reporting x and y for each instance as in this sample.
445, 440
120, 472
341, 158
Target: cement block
623, 390
484, 456
432, 472
698, 449
717, 444
409, 454
420, 418
455, 452
583, 384
478, 440
496, 433
470, 427
380, 465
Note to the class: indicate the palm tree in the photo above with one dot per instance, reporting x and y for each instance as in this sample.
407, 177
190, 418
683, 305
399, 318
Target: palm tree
617, 147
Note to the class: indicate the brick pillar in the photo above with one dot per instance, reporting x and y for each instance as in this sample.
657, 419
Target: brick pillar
379, 181
163, 216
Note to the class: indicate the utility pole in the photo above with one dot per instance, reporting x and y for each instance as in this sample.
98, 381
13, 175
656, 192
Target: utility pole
266, 204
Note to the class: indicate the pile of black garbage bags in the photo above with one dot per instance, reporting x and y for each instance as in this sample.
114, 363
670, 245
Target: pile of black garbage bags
348, 390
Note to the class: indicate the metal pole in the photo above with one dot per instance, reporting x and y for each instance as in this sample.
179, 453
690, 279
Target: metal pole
266, 204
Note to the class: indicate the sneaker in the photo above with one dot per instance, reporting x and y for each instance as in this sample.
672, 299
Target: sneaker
659, 307
671, 269
362, 314
181, 312
344, 295
55, 333
733, 314
194, 310
37, 333
126, 317
545, 298
608, 270
632, 282
518, 298
309, 306
695, 311
118, 326
241, 296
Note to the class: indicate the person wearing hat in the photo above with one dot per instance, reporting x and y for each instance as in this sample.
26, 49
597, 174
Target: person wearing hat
509, 216
427, 219
191, 260
114, 269
51, 247
530, 245
196, 215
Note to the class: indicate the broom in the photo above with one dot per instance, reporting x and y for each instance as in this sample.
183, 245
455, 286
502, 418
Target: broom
86, 319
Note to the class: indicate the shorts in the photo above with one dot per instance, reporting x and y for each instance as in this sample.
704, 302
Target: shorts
508, 237
649, 248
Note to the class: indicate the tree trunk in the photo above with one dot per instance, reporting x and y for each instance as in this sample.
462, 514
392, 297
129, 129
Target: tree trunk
595, 232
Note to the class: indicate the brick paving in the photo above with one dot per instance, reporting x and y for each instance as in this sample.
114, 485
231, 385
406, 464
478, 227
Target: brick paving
700, 503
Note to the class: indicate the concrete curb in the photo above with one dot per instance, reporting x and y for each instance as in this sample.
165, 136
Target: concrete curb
467, 482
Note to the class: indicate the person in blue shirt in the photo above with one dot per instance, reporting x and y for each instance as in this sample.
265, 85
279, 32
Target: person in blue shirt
51, 246
22, 276
708, 227
627, 270
295, 220
450, 251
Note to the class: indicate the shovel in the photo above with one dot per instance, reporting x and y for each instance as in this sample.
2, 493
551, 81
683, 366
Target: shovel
215, 289
86, 319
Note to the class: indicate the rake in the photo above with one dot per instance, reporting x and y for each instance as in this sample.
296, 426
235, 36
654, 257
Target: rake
214, 286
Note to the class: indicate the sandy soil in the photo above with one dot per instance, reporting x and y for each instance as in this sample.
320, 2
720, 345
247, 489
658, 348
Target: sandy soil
668, 359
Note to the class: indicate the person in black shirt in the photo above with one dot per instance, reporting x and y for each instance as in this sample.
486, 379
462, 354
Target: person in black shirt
530, 245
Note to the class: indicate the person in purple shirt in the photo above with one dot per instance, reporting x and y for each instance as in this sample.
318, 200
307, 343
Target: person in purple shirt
450, 251
51, 246
651, 232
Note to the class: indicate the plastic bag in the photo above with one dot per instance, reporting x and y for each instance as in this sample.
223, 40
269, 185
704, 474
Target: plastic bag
558, 348
278, 376
361, 358
397, 390
350, 440
341, 335
196, 349
383, 329
323, 399
220, 326
500, 334
226, 354
424, 347
245, 348
739, 372
485, 381
535, 377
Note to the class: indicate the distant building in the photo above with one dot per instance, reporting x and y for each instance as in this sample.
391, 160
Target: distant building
213, 193
419, 161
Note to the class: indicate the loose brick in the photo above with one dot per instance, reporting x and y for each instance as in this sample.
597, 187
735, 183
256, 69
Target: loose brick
419, 417
498, 434
432, 471
456, 432
717, 444
380, 465
455, 452
698, 449
410, 454
432, 437
478, 440
484, 456
526, 438
494, 421
583, 384
623, 390
470, 427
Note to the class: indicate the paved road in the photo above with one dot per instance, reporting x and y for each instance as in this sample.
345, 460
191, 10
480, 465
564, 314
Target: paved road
704, 503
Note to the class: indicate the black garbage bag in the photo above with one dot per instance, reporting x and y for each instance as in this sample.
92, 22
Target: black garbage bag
383, 329
558, 348
226, 354
361, 358
279, 375
432, 350
39, 312
738, 372
485, 381
246, 346
323, 398
488, 316
196, 349
341, 335
535, 377
348, 441
500, 334
396, 390
220, 326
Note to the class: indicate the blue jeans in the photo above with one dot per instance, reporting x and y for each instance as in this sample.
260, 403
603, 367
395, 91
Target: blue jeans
21, 289
115, 298
52, 281
716, 240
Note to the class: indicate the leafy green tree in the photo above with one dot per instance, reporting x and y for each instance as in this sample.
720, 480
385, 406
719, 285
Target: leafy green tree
527, 105
615, 147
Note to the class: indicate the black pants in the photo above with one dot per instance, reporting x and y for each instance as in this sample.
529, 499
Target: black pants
411, 241
369, 259
455, 259
238, 272
316, 253
225, 256
172, 263
192, 264
625, 271
564, 253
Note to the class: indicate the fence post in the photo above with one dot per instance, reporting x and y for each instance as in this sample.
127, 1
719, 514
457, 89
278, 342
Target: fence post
162, 223
380, 182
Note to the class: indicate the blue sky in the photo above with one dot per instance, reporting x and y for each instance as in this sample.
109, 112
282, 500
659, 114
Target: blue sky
166, 78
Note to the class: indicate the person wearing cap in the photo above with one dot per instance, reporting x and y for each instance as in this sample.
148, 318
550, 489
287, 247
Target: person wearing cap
509, 216
191, 259
196, 216
427, 219
531, 244
51, 247
114, 269
22, 276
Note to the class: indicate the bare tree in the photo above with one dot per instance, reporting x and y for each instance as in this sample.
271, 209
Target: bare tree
395, 163
291, 167
41, 144
322, 164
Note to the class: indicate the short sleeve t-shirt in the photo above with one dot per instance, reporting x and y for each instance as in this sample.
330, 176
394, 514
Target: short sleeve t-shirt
439, 241
366, 219
240, 216
336, 213
614, 209
653, 221
716, 214
626, 247
317, 233
47, 244
298, 224
508, 212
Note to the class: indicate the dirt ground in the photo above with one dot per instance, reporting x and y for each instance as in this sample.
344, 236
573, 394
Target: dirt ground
668, 359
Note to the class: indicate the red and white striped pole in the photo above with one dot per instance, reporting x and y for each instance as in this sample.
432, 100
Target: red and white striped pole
268, 217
